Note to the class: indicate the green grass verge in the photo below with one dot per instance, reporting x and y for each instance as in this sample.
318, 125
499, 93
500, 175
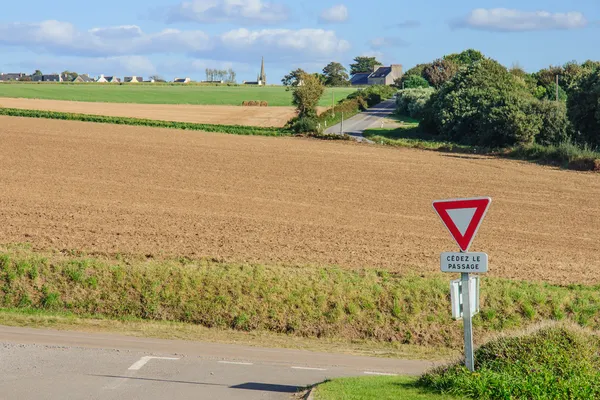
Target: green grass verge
552, 363
377, 387
163, 94
304, 301
565, 155
232, 129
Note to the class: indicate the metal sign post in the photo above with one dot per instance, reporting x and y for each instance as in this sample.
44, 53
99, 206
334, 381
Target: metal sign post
467, 321
462, 217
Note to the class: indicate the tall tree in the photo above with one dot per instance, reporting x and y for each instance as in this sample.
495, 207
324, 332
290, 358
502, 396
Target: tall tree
440, 71
306, 96
363, 65
293, 78
335, 74
37, 73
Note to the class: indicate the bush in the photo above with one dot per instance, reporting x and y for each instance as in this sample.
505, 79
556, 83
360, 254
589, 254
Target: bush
583, 107
483, 105
305, 125
374, 95
415, 81
552, 363
556, 127
412, 102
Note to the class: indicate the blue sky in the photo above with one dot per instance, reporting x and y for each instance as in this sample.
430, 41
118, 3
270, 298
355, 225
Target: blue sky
182, 38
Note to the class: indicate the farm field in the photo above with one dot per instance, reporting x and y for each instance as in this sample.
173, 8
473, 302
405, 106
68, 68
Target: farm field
120, 189
225, 115
162, 94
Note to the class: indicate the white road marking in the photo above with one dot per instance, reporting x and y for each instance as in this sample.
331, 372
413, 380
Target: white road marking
142, 361
310, 369
379, 373
235, 362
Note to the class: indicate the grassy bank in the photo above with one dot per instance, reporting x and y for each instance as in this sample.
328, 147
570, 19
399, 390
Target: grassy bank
301, 301
558, 361
231, 129
565, 155
163, 94
377, 387
552, 363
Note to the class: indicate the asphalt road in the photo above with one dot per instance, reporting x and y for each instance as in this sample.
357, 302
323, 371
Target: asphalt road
46, 364
368, 119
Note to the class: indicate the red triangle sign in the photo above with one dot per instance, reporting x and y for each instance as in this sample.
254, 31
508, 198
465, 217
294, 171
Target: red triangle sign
462, 217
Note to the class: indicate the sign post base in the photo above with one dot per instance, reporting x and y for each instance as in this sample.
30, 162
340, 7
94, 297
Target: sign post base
467, 321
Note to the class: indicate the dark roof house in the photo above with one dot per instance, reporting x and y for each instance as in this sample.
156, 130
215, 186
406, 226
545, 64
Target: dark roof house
52, 78
133, 79
360, 79
84, 78
12, 76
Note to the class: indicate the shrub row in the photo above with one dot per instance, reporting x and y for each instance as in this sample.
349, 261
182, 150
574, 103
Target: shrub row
232, 129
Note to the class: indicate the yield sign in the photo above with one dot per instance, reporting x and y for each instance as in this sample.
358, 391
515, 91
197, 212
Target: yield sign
462, 217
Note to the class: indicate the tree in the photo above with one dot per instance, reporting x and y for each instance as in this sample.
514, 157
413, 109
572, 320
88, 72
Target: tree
37, 73
306, 96
231, 76
293, 78
320, 77
465, 58
484, 105
440, 71
335, 75
583, 108
363, 65
157, 78
69, 76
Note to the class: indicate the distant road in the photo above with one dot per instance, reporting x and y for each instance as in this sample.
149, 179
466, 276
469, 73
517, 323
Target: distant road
371, 118
47, 364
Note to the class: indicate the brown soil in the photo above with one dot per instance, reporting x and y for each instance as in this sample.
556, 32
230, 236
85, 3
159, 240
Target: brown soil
105, 188
225, 115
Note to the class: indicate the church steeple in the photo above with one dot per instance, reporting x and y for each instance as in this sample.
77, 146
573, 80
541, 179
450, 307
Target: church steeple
263, 76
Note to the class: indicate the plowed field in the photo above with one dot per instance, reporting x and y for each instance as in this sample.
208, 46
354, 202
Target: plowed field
225, 115
95, 187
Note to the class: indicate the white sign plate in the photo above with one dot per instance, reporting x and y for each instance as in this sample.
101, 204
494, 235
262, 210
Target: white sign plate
464, 262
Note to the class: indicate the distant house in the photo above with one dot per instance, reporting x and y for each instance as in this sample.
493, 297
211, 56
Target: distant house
133, 79
360, 79
84, 78
257, 83
12, 76
37, 78
385, 75
52, 78
182, 80
380, 76
212, 81
107, 79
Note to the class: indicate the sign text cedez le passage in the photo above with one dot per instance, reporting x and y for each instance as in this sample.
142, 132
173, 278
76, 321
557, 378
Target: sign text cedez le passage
464, 262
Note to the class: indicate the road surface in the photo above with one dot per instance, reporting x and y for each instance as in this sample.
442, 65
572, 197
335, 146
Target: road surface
371, 118
47, 364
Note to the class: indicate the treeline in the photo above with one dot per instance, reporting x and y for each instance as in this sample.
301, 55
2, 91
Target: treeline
226, 75
472, 99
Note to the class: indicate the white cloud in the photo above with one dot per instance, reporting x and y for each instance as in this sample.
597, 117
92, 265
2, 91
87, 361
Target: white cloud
118, 32
337, 13
502, 19
284, 42
386, 42
238, 11
63, 38
238, 45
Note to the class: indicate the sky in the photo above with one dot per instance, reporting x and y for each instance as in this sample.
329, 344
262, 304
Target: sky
174, 38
